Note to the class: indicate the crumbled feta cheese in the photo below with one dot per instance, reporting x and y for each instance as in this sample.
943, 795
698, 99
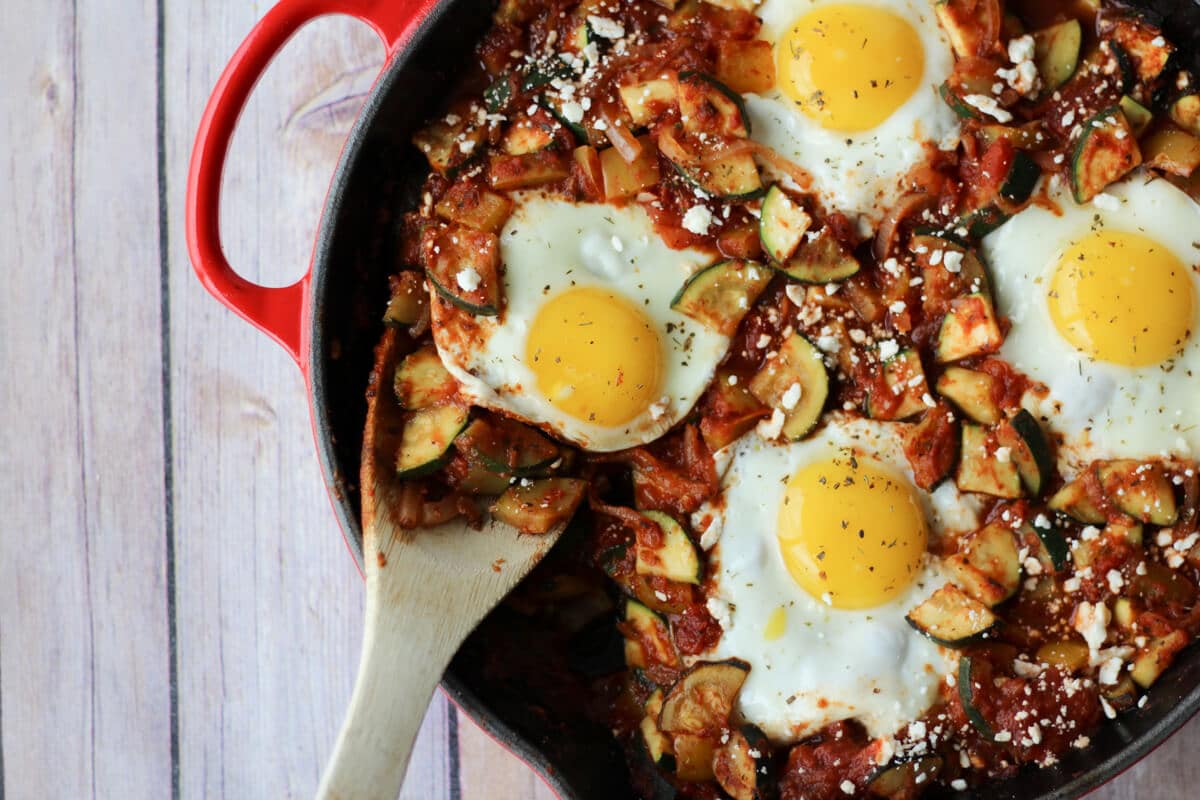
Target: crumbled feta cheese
697, 220
888, 349
468, 279
1091, 621
1004, 454
1115, 580
572, 111
606, 28
771, 428
1106, 201
1110, 671
791, 397
659, 408
952, 260
989, 106
958, 785
847, 787
795, 292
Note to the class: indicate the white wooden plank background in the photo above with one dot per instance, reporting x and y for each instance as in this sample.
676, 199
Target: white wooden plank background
178, 615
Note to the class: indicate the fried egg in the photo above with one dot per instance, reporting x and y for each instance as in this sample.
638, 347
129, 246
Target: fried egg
1104, 301
855, 102
587, 345
822, 551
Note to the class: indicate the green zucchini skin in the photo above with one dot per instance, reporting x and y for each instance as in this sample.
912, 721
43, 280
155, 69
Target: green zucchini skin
966, 693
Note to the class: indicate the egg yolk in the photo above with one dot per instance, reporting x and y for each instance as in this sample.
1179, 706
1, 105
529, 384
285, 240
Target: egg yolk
596, 356
1122, 298
851, 532
849, 66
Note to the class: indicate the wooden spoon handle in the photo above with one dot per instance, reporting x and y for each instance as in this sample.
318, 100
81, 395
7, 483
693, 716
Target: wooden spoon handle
404, 654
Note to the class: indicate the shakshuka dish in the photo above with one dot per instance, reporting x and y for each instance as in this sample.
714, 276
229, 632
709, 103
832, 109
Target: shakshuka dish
854, 343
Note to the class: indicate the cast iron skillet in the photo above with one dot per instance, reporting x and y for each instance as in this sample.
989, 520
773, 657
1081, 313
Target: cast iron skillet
329, 322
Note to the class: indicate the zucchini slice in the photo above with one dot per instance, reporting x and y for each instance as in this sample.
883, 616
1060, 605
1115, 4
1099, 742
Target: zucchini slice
553, 106
464, 267
675, 558
1185, 112
1073, 501
479, 480
528, 134
1172, 150
720, 295
1054, 553
742, 765
1152, 662
959, 106
427, 438
903, 778
409, 302
477, 208
1022, 176
747, 67
1148, 51
421, 380
968, 329
702, 699
625, 179
708, 106
1138, 116
645, 101
905, 379
733, 411
1140, 489
951, 618
1029, 450
797, 364
658, 744
967, 686
972, 392
981, 470
782, 224
988, 568
499, 93
982, 221
451, 141
539, 506
820, 259
543, 71
1105, 152
1056, 52
733, 177
548, 165
694, 757
507, 447
647, 639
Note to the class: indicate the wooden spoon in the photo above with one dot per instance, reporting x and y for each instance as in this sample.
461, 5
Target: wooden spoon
426, 591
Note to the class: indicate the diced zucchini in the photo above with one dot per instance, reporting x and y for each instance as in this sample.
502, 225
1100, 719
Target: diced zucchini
467, 204
980, 470
1123, 613
1140, 489
988, 567
549, 165
427, 438
694, 757
797, 363
1022, 176
720, 295
1024, 137
645, 101
621, 179
931, 446
1070, 655
967, 686
905, 379
500, 93
1144, 43
1055, 552
746, 67
953, 98
742, 764
972, 392
421, 380
708, 106
969, 329
1172, 150
951, 618
464, 267
675, 558
702, 699
479, 480
540, 506
734, 411
508, 447
1122, 695
1028, 449
1056, 52
541, 72
647, 639
903, 778
658, 744
732, 177
1073, 501
982, 221
1185, 112
451, 141
1105, 152
782, 224
577, 130
820, 259
1138, 116
1152, 662
410, 300
527, 135
969, 24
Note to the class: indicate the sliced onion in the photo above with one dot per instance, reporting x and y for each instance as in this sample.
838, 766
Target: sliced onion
889, 229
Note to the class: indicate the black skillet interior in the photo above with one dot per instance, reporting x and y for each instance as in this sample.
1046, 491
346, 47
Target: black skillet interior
378, 177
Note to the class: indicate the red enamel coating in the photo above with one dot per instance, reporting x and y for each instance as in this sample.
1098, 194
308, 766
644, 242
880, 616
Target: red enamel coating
279, 312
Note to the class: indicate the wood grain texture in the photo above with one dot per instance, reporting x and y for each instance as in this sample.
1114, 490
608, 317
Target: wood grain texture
268, 607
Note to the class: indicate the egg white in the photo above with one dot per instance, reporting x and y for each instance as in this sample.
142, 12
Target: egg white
829, 664
862, 172
1103, 410
549, 246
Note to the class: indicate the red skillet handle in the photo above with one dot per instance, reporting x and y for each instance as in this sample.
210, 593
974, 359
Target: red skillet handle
280, 313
